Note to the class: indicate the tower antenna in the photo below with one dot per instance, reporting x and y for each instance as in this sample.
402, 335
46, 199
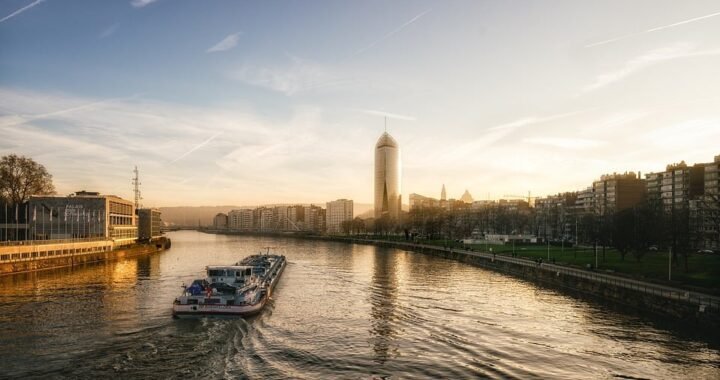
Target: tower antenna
136, 188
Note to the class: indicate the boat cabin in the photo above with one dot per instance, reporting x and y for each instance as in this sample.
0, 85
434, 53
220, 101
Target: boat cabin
232, 275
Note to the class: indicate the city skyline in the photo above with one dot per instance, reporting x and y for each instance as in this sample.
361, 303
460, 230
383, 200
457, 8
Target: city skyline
229, 110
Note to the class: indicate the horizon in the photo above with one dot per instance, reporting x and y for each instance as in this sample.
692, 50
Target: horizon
270, 103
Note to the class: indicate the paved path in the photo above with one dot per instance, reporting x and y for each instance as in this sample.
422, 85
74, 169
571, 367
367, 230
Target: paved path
700, 299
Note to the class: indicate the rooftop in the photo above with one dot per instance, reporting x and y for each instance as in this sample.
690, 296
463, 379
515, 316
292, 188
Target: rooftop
386, 140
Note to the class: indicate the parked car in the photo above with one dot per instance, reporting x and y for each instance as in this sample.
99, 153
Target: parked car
652, 248
705, 251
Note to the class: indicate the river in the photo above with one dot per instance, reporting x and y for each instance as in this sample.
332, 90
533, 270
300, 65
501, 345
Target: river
339, 311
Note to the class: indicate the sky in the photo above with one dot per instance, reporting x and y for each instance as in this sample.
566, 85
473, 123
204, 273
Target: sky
248, 103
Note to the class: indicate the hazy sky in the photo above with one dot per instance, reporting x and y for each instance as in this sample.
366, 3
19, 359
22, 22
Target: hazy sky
229, 102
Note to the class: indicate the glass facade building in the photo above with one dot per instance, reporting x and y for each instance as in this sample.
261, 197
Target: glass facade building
388, 198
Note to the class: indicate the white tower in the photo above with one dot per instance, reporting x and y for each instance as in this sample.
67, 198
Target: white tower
388, 198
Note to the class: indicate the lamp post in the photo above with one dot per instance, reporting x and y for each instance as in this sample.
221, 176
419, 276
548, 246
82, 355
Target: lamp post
596, 258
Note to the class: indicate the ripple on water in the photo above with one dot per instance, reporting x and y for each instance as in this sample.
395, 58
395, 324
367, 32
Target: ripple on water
340, 311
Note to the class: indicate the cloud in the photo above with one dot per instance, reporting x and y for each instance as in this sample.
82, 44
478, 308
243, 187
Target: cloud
109, 31
653, 57
196, 147
565, 142
663, 27
21, 10
678, 137
299, 75
141, 3
219, 154
18, 119
392, 32
526, 121
389, 115
227, 43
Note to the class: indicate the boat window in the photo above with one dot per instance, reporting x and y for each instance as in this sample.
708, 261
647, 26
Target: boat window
248, 271
238, 274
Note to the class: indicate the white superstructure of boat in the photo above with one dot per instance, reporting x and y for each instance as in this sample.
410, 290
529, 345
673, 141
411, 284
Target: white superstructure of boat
241, 289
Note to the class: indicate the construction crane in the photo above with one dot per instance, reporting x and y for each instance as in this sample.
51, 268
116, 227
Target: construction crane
529, 197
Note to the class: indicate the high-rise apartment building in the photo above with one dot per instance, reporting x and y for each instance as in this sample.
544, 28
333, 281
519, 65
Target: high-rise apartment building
264, 219
314, 218
388, 198
280, 217
336, 213
676, 186
618, 192
241, 219
220, 221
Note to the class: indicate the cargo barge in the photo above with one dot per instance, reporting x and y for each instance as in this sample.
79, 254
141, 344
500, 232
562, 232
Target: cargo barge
242, 289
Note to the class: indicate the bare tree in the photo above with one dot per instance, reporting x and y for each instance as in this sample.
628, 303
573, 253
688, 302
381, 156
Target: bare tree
21, 177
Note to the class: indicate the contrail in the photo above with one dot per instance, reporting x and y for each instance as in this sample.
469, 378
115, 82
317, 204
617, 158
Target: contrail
196, 147
653, 30
390, 115
22, 119
21, 10
391, 33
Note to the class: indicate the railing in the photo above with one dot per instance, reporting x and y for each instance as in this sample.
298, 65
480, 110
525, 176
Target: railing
704, 301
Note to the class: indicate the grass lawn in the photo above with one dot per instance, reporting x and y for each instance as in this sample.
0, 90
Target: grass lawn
703, 272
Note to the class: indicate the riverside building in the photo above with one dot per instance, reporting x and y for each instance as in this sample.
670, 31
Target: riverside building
388, 198
82, 215
618, 192
337, 212
241, 220
149, 224
220, 221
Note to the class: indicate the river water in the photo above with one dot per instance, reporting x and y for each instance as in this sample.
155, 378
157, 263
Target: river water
339, 311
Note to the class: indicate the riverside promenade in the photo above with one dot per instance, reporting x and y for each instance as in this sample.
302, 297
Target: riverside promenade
666, 301
645, 296
29, 256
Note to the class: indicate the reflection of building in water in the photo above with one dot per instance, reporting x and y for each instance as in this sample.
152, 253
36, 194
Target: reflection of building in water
383, 301
82, 215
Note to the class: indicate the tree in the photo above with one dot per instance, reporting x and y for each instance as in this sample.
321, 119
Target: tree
346, 227
624, 234
358, 225
21, 177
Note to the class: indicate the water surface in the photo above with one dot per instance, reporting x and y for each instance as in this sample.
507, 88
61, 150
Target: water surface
339, 311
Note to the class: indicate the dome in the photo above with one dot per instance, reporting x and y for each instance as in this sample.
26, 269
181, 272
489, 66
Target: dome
466, 197
386, 141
